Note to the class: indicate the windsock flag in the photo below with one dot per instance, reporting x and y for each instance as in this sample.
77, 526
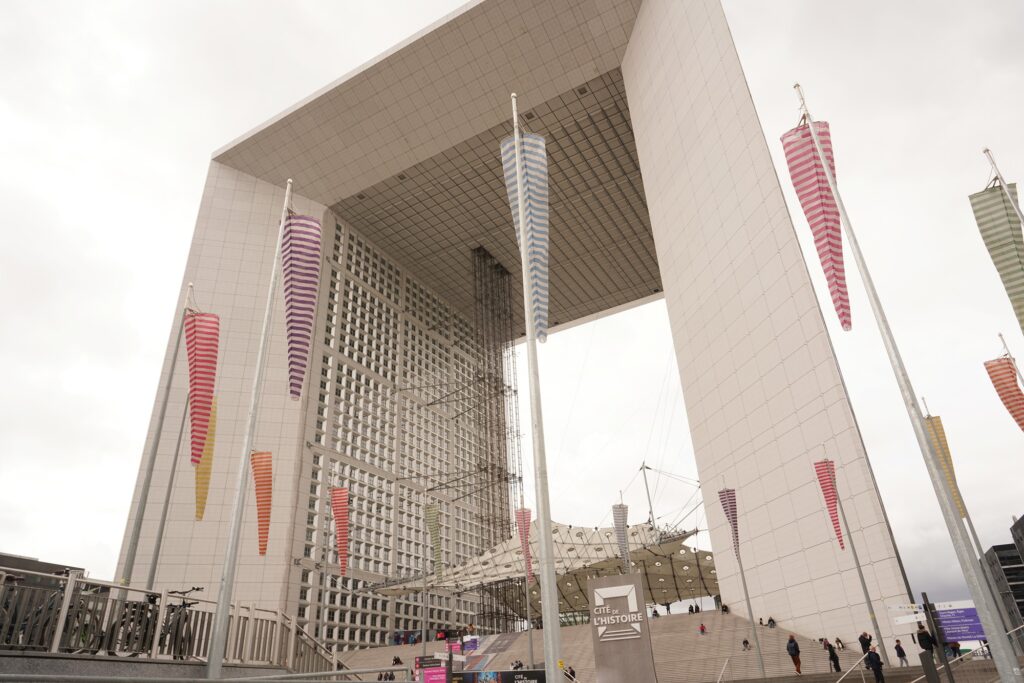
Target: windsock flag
263, 479
535, 201
339, 508
204, 469
620, 515
523, 527
300, 265
433, 528
1003, 373
728, 499
1001, 231
826, 471
820, 208
202, 338
937, 436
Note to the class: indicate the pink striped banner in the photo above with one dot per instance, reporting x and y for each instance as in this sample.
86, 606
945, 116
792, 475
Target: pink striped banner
1003, 373
523, 526
826, 471
339, 507
300, 264
202, 338
811, 185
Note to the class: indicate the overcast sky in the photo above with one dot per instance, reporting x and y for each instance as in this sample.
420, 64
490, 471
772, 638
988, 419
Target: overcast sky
108, 115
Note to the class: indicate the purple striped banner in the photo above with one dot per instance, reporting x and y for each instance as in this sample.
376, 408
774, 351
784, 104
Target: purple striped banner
300, 263
728, 499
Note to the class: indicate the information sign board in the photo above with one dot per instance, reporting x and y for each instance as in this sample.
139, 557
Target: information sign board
960, 624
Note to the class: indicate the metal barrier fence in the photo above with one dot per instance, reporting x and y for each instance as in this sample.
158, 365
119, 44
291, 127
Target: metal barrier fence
74, 615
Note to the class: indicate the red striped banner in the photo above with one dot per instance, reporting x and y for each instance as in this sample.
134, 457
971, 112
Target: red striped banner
728, 499
826, 471
300, 265
523, 526
202, 337
339, 507
263, 478
811, 185
1003, 373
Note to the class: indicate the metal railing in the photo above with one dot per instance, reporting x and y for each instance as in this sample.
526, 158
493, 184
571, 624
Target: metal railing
73, 615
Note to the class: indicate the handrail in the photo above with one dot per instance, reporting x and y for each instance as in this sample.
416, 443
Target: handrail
956, 659
722, 672
852, 668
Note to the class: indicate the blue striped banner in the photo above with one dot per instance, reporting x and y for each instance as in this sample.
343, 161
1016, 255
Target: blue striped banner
535, 196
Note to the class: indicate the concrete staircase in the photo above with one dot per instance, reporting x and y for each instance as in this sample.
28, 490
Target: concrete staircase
681, 654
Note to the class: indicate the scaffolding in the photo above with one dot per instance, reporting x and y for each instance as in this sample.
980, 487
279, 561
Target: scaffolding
496, 413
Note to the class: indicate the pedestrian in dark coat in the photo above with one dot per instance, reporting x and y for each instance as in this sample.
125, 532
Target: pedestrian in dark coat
833, 658
926, 641
901, 654
875, 664
865, 642
793, 648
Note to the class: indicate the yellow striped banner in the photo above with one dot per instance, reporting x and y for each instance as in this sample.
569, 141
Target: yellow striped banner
937, 437
205, 466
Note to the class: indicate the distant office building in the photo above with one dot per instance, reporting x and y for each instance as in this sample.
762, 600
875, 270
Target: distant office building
662, 186
1008, 572
14, 565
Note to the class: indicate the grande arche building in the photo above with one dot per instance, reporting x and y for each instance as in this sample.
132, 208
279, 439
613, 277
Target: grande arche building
662, 186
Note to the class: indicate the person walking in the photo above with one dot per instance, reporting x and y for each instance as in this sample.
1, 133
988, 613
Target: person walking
746, 644
875, 664
654, 613
793, 648
833, 657
703, 629
901, 654
839, 643
926, 641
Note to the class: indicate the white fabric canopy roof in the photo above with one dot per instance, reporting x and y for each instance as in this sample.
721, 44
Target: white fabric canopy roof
672, 570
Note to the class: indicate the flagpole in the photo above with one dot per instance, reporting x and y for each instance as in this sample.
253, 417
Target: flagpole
218, 641
750, 608
860, 570
548, 594
1005, 663
1010, 356
140, 509
986, 572
1002, 182
158, 543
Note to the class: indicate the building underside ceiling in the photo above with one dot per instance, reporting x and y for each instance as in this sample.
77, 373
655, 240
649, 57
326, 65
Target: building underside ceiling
432, 215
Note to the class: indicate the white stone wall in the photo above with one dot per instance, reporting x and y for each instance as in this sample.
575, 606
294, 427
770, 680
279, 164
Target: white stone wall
761, 384
229, 264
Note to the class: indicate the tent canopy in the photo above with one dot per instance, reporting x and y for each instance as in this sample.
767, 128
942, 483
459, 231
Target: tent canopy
671, 569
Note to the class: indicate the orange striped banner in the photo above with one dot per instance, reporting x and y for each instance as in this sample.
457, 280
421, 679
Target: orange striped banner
205, 466
263, 478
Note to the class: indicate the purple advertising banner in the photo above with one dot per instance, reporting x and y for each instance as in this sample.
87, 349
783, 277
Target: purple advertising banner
960, 624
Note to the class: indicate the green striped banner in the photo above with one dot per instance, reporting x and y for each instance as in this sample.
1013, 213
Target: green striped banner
433, 528
1001, 230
